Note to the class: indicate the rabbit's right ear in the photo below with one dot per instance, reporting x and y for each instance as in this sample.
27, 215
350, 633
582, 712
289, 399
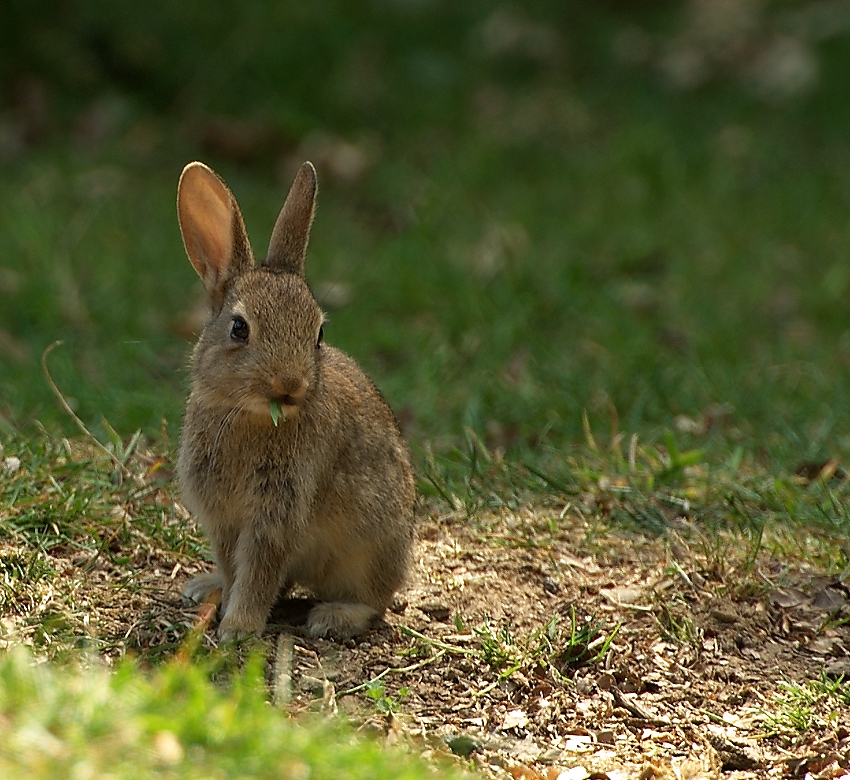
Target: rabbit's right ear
212, 228
288, 244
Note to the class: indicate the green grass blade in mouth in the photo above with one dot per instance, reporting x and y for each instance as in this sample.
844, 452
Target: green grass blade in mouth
276, 412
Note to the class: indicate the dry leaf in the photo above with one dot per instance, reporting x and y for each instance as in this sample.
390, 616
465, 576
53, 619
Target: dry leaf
829, 599
574, 773
788, 597
625, 595
522, 772
515, 719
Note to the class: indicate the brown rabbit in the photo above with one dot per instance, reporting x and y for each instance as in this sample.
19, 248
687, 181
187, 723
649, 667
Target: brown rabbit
290, 458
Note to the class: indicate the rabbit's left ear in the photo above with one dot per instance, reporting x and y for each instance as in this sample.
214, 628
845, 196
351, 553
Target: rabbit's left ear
288, 244
212, 228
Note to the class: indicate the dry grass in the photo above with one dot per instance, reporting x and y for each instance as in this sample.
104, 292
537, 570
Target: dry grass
615, 625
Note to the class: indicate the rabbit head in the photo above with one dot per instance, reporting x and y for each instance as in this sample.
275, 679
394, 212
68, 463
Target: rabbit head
259, 347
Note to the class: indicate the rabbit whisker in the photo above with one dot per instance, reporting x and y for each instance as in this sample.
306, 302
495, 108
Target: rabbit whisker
223, 424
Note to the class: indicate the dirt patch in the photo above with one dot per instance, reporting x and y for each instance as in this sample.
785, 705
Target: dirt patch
689, 683
715, 657
707, 635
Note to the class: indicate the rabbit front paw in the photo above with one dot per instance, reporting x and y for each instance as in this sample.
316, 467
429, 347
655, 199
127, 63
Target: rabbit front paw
239, 626
200, 588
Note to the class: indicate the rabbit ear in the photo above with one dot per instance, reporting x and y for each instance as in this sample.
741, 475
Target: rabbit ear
291, 232
212, 227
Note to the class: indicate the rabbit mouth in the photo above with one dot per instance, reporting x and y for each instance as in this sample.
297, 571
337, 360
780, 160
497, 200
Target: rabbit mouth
260, 406
289, 405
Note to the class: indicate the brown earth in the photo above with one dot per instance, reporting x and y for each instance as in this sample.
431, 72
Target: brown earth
691, 684
711, 632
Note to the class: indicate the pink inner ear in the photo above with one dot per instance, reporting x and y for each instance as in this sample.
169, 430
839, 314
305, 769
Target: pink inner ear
206, 216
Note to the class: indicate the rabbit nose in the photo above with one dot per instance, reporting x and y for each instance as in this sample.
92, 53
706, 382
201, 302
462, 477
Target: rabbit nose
288, 391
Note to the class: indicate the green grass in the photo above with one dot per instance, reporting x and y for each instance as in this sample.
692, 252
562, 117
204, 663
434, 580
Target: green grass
574, 285
562, 644
69, 514
802, 706
637, 255
174, 723
66, 493
636, 308
68, 511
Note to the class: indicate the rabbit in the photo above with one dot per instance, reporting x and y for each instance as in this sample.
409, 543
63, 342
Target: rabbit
290, 458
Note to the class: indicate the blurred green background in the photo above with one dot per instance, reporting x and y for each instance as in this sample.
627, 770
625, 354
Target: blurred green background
637, 208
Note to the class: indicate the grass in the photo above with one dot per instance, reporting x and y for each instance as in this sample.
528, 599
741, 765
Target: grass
67, 511
528, 282
577, 289
82, 536
561, 644
640, 486
802, 706
68, 516
175, 723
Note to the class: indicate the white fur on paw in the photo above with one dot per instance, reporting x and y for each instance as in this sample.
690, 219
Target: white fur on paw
198, 589
339, 619
239, 627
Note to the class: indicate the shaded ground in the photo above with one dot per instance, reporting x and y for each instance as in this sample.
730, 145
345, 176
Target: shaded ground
723, 660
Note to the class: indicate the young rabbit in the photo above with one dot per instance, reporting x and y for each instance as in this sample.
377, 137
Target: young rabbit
290, 458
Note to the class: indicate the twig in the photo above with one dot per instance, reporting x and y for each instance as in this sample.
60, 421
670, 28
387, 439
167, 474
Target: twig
206, 613
80, 424
622, 605
634, 709
454, 649
283, 671
328, 691
393, 670
683, 575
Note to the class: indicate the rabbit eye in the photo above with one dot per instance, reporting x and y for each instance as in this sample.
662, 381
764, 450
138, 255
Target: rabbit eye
321, 337
240, 330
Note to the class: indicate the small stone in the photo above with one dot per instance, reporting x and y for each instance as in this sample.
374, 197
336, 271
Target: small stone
11, 465
605, 737
829, 599
584, 686
722, 616
839, 668
463, 745
515, 719
550, 586
399, 605
436, 611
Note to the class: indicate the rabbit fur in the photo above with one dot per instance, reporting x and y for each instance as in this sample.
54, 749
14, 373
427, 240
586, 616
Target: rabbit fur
321, 498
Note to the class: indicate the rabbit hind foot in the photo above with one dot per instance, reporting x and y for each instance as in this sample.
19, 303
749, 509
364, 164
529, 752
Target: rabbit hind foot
339, 619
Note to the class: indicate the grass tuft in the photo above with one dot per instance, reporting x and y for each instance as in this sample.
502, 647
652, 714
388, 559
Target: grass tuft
173, 722
561, 645
799, 707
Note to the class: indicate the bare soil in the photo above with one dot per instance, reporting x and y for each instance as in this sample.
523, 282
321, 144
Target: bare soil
711, 631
